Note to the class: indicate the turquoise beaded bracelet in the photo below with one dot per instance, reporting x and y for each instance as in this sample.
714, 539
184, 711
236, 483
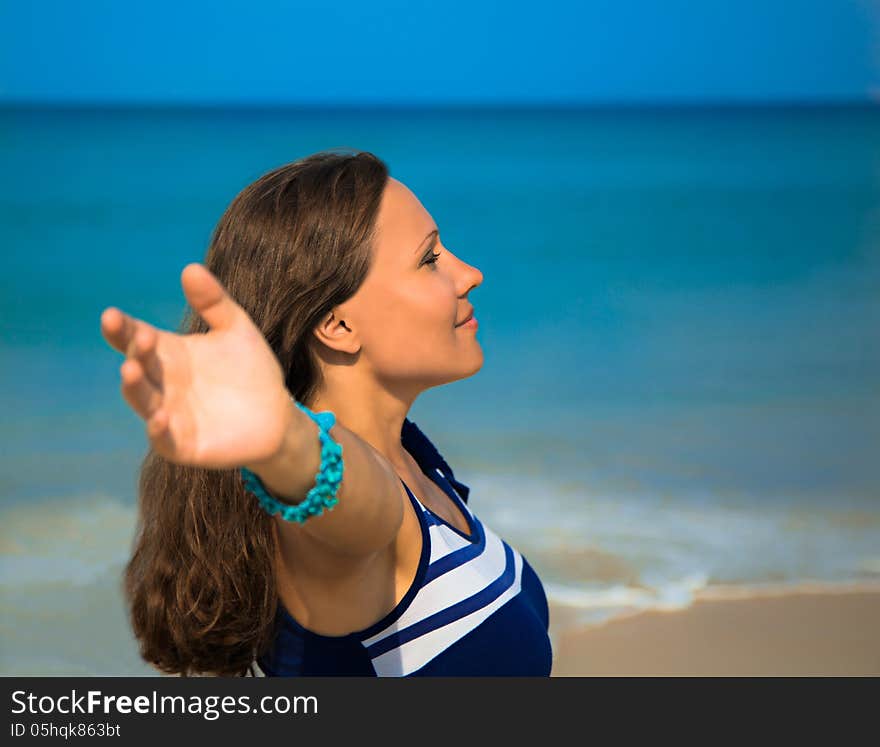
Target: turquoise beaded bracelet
327, 479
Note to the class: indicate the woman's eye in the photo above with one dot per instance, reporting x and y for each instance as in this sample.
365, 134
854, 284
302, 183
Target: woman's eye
433, 258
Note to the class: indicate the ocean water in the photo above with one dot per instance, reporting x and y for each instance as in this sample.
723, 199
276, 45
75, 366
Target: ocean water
680, 316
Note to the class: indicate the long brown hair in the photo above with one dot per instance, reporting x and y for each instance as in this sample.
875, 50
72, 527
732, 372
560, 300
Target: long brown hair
201, 582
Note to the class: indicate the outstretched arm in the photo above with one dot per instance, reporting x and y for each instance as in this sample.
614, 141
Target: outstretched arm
218, 400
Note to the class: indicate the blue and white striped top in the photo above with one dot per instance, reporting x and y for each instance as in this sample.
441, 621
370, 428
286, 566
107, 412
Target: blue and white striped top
475, 607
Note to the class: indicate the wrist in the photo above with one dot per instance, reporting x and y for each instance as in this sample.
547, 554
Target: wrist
290, 436
289, 472
295, 504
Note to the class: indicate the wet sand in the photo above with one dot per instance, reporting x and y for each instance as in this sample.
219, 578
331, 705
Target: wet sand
806, 631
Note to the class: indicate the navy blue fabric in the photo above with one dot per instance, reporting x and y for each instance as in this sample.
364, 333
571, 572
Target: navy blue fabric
512, 641
520, 626
427, 456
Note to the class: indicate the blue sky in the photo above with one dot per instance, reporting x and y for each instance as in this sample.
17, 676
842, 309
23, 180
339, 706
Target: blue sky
455, 51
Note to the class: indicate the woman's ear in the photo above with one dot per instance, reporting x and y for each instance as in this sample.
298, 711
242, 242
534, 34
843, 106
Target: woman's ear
337, 334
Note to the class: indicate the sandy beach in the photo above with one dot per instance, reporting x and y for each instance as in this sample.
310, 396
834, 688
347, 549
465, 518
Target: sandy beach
805, 631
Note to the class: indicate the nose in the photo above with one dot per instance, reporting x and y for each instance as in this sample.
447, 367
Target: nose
472, 277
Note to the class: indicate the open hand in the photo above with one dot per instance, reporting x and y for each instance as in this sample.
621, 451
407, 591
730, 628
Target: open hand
215, 400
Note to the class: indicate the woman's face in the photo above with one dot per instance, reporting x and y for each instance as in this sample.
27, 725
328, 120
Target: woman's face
403, 317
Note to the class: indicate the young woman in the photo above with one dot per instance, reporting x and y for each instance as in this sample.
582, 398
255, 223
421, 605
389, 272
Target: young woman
326, 292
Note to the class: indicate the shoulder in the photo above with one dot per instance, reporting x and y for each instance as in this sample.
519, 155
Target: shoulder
427, 455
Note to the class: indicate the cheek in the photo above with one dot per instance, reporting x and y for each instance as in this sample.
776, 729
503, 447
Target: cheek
412, 334
440, 311
428, 309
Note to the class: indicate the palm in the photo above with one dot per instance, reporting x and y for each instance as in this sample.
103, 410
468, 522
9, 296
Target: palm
213, 400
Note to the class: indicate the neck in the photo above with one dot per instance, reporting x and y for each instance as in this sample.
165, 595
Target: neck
372, 412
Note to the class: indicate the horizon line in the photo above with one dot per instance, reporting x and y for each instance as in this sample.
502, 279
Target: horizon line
567, 105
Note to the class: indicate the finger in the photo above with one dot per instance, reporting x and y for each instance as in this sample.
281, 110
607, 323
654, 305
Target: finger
113, 328
119, 329
144, 349
137, 390
159, 433
208, 297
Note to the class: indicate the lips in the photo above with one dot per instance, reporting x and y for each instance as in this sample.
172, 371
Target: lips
468, 317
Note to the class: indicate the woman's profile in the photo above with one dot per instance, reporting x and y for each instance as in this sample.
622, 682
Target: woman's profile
325, 289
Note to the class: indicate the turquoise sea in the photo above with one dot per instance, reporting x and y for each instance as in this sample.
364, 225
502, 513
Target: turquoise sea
680, 316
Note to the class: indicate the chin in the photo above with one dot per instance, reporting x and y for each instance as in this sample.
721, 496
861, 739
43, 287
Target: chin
480, 360
463, 372
476, 365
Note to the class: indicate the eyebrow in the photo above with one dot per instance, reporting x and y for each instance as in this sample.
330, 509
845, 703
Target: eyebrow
435, 233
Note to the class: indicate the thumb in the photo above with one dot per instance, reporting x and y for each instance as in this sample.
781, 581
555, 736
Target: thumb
208, 297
